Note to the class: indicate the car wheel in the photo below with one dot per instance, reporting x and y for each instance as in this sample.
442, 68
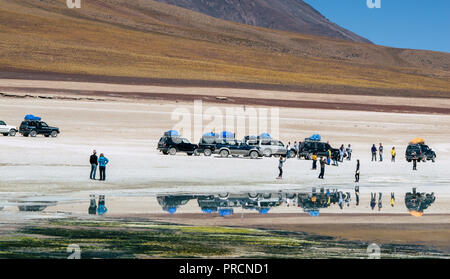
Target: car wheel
224, 153
207, 152
267, 153
223, 195
54, 134
165, 152
267, 195
25, 135
172, 151
12, 133
253, 154
33, 134
196, 153
253, 195
5, 134
46, 136
189, 153
292, 154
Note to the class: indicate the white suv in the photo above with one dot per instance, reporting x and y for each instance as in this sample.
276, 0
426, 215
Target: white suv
7, 130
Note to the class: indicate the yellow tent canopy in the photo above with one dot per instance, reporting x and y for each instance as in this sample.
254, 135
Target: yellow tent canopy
416, 141
415, 213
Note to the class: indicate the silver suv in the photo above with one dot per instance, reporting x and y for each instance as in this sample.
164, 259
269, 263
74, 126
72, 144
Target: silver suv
269, 147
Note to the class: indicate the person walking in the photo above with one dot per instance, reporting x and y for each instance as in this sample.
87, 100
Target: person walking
349, 152
380, 151
322, 168
93, 160
393, 153
357, 172
374, 153
280, 167
102, 161
328, 157
314, 159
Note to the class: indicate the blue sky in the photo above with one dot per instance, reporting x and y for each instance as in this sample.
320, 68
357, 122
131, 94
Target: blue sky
417, 24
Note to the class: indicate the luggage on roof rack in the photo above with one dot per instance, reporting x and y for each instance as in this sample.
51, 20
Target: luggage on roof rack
172, 133
32, 117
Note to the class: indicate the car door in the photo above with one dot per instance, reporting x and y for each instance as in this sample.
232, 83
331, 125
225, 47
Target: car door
3, 127
43, 128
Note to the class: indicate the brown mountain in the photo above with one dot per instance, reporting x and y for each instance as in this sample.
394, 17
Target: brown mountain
159, 43
287, 15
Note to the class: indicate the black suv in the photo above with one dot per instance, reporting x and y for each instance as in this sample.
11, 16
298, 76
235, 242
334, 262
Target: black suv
235, 148
309, 147
33, 128
207, 144
420, 151
171, 145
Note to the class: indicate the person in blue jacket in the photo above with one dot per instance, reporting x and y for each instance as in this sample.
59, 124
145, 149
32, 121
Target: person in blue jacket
102, 162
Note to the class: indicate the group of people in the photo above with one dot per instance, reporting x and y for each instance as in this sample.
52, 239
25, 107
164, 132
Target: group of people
380, 149
99, 162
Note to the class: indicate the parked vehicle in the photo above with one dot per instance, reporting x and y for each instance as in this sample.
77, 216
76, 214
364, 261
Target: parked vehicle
237, 148
419, 151
207, 144
309, 147
269, 147
173, 144
33, 126
7, 130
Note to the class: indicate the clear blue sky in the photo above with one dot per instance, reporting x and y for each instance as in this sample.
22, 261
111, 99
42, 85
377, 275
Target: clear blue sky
417, 24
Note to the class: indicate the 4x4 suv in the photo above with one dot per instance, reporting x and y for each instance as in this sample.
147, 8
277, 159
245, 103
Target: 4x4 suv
235, 148
420, 151
33, 128
269, 147
7, 130
309, 147
207, 144
171, 145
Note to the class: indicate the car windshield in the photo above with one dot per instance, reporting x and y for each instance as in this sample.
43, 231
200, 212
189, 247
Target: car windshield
2, 123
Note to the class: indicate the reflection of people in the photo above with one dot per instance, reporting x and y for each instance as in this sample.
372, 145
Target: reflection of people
357, 194
380, 205
373, 197
392, 202
357, 171
380, 151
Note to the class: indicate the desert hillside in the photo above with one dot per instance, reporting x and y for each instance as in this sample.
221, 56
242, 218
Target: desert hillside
287, 15
152, 41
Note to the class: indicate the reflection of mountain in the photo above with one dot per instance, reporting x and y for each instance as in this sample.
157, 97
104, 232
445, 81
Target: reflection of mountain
418, 202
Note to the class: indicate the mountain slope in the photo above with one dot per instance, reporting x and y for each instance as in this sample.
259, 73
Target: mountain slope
152, 40
287, 15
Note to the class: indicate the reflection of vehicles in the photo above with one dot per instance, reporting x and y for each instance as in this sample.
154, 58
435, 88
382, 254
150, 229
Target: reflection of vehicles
173, 144
419, 151
7, 130
416, 203
268, 146
34, 205
309, 147
170, 203
33, 128
237, 148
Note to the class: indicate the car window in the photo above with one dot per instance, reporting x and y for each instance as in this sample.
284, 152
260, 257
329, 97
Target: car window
184, 140
2, 123
176, 140
280, 144
162, 140
43, 124
231, 142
